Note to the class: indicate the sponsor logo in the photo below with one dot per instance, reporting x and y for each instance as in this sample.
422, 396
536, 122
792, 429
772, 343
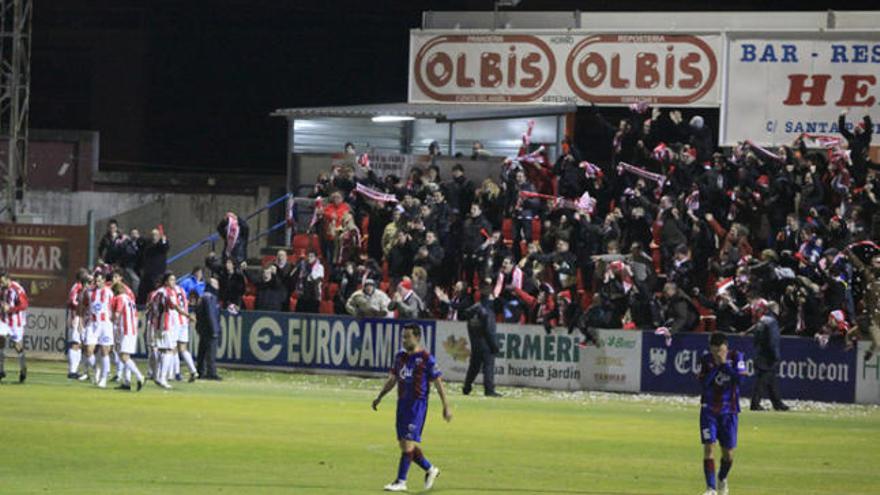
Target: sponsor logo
657, 362
660, 69
484, 68
457, 348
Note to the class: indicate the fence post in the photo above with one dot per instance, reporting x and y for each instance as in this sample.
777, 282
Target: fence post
90, 221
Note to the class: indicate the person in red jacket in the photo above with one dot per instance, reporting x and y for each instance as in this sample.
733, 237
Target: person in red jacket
13, 318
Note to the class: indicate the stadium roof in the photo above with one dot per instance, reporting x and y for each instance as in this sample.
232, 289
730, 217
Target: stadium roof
437, 111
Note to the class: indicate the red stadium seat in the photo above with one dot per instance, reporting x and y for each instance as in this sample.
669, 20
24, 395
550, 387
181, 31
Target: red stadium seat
249, 301
507, 229
384, 286
331, 291
301, 241
326, 307
293, 300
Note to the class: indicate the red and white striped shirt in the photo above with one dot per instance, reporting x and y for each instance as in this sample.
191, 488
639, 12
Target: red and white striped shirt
97, 302
171, 298
125, 314
16, 298
74, 296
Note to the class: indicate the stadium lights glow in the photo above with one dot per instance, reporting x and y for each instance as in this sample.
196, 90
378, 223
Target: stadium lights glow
392, 118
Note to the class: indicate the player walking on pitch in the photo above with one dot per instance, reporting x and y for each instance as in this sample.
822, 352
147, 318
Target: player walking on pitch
13, 318
413, 371
720, 373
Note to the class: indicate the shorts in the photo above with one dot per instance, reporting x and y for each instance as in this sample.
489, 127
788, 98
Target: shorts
720, 427
166, 339
182, 332
128, 344
14, 334
99, 333
411, 420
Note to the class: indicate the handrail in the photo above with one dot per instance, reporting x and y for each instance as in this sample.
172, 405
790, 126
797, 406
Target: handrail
215, 236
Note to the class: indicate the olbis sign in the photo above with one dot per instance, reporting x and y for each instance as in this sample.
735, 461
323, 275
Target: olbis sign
482, 67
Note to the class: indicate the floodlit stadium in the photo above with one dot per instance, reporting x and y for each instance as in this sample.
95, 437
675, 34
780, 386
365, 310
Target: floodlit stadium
509, 247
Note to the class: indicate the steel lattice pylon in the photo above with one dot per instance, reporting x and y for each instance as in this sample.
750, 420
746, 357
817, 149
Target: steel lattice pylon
15, 92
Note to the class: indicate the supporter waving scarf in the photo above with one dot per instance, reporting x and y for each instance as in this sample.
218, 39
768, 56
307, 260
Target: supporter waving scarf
375, 195
232, 232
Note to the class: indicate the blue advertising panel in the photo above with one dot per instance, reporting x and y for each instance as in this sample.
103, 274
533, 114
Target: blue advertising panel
307, 341
806, 371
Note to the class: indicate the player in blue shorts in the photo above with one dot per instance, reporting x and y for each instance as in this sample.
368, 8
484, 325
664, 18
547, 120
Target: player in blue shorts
413, 371
720, 373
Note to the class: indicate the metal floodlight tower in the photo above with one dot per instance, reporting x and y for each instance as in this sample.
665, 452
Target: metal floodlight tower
15, 92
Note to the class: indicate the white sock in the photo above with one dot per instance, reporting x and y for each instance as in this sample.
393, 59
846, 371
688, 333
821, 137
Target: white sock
117, 361
105, 367
153, 362
167, 366
188, 359
176, 363
126, 375
130, 368
74, 356
91, 361
22, 364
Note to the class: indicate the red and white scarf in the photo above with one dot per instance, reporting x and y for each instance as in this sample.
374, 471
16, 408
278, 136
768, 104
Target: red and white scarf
764, 152
821, 141
660, 179
591, 170
375, 195
232, 232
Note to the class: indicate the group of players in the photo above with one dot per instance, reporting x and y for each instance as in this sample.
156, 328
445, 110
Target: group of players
103, 321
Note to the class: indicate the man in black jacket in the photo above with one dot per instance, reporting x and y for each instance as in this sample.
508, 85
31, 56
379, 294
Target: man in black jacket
154, 258
859, 142
208, 328
476, 230
484, 346
767, 354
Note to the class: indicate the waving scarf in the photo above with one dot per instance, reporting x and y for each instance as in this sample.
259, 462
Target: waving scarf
232, 232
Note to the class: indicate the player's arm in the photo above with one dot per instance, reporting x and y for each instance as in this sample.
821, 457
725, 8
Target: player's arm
441, 391
735, 367
389, 385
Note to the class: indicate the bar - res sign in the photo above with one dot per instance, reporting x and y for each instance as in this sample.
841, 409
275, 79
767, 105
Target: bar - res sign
43, 259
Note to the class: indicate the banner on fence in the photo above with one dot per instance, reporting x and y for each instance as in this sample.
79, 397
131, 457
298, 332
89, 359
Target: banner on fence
564, 67
528, 356
313, 342
44, 333
806, 371
43, 259
780, 87
868, 376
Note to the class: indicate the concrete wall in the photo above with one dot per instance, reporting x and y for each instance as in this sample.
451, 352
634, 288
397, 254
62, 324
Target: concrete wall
186, 218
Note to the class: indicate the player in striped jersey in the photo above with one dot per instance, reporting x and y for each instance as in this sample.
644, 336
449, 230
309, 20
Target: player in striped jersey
126, 322
74, 324
151, 320
117, 278
173, 317
13, 318
99, 327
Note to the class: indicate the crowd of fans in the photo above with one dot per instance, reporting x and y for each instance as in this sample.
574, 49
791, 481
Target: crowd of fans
671, 233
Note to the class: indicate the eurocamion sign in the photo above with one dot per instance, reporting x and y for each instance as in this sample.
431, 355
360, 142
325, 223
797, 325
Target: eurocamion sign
565, 67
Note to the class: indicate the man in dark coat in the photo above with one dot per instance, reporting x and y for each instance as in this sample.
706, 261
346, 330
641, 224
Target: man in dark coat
154, 261
208, 328
481, 334
767, 354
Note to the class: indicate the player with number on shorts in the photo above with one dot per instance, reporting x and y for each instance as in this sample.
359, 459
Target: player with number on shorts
99, 327
13, 318
126, 322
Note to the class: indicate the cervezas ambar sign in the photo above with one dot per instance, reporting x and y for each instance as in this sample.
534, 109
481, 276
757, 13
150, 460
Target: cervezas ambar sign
43, 259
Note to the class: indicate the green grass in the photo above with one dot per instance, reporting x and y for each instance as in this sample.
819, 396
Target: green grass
299, 434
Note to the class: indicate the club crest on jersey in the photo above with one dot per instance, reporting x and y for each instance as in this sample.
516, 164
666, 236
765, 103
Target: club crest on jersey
657, 358
97, 306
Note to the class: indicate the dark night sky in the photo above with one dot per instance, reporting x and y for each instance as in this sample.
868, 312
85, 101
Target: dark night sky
190, 83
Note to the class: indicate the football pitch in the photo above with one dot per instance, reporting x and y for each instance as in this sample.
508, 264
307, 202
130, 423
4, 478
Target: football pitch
260, 432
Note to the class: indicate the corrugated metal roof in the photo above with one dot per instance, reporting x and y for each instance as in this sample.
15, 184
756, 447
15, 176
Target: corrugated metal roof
438, 112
